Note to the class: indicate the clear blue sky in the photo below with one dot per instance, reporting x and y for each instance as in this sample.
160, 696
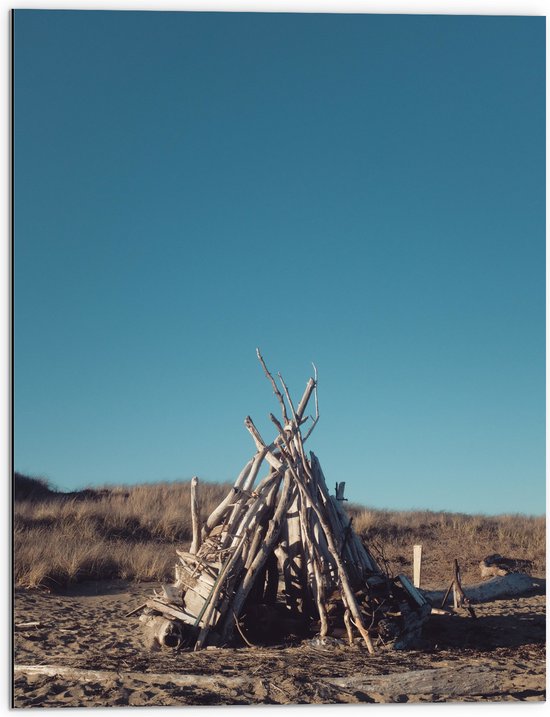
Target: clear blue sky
365, 192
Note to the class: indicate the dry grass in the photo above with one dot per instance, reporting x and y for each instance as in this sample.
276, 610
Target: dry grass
130, 532
446, 536
123, 531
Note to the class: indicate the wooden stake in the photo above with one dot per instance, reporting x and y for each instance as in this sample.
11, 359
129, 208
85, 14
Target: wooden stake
195, 545
417, 565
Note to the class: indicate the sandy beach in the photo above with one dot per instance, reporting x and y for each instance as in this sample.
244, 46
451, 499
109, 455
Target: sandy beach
84, 651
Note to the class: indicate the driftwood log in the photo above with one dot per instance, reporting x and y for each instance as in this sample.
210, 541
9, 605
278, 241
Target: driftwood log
497, 588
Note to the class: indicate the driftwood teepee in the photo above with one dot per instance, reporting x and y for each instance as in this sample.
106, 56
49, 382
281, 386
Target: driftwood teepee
281, 553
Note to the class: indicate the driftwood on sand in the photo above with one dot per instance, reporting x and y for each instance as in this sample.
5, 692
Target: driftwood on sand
280, 550
497, 588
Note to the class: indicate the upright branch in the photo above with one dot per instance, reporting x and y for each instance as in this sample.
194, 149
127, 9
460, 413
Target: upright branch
287, 394
195, 545
274, 385
301, 409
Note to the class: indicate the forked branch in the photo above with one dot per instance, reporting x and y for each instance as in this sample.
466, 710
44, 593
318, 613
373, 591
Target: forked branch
274, 385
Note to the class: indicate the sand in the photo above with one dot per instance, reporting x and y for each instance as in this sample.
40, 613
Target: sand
84, 652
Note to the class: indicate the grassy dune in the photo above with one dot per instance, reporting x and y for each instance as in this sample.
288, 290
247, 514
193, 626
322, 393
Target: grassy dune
130, 532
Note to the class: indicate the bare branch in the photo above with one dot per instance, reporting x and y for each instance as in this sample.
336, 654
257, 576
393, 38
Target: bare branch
241, 633
305, 398
258, 440
274, 385
287, 394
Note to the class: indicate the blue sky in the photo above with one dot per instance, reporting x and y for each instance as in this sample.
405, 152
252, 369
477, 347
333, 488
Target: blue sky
365, 192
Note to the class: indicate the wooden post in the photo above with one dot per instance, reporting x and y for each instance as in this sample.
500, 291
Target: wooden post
417, 565
195, 545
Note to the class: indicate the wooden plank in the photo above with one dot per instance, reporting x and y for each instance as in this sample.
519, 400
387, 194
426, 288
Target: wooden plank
413, 592
170, 610
417, 565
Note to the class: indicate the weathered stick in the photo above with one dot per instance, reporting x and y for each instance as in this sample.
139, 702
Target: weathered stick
274, 386
258, 460
257, 520
240, 507
232, 561
294, 557
310, 386
347, 623
310, 595
36, 623
366, 558
250, 514
249, 549
259, 561
289, 399
320, 593
347, 593
217, 514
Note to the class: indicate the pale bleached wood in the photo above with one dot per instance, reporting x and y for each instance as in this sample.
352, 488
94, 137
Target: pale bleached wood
347, 593
247, 504
198, 585
315, 561
273, 385
172, 593
311, 384
163, 631
290, 403
365, 557
347, 623
441, 611
249, 548
229, 565
195, 518
322, 550
507, 586
189, 577
260, 558
417, 565
217, 514
321, 604
33, 623
257, 524
194, 603
321, 544
349, 548
294, 549
310, 588
250, 511
170, 610
208, 682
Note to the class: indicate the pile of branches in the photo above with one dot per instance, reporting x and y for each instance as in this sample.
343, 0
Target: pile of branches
280, 555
